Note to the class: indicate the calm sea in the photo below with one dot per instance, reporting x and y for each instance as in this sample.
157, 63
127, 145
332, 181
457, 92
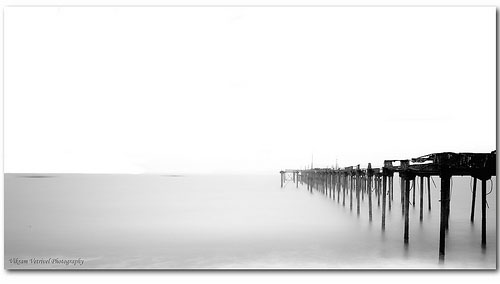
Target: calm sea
154, 221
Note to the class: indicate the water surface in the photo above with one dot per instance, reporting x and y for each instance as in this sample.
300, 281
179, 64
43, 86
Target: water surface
155, 221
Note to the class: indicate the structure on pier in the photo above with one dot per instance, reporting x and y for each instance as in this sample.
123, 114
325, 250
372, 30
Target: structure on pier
359, 182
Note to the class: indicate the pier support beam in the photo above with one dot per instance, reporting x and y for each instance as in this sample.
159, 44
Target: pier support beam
445, 207
350, 195
391, 191
421, 198
402, 191
333, 185
429, 192
483, 211
473, 207
369, 174
384, 183
282, 178
406, 206
344, 188
392, 188
414, 182
358, 189
339, 186
362, 188
403, 195
369, 192
378, 190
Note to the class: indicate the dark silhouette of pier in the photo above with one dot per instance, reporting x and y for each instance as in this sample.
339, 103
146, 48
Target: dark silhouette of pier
336, 182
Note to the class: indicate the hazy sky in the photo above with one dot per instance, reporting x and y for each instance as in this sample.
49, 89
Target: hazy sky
214, 90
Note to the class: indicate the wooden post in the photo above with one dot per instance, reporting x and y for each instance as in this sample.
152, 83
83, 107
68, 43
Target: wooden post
316, 180
328, 182
429, 191
448, 208
414, 190
312, 181
383, 200
390, 197
369, 192
281, 179
421, 198
358, 189
344, 188
473, 201
392, 190
350, 195
311, 178
362, 187
407, 209
309, 182
403, 185
378, 191
297, 184
339, 186
445, 206
328, 177
402, 190
333, 185
483, 210
325, 184
332, 176
321, 184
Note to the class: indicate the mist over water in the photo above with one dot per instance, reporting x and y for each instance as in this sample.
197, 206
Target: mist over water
153, 221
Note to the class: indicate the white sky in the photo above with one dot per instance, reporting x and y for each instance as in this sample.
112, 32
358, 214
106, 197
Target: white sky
214, 90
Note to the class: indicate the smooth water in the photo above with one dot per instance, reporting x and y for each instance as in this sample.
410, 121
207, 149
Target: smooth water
154, 221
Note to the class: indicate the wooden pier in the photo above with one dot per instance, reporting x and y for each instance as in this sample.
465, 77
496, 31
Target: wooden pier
358, 182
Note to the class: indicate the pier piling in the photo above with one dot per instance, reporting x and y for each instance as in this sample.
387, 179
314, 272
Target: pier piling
391, 192
358, 189
445, 206
369, 174
350, 195
384, 183
421, 198
473, 207
429, 192
407, 210
483, 211
414, 182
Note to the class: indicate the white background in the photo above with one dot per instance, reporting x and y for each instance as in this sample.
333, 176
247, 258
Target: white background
186, 277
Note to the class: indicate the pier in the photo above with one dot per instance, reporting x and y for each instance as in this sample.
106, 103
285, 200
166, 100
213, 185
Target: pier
356, 183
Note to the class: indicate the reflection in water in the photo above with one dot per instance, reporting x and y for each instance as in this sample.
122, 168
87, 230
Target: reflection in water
147, 221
